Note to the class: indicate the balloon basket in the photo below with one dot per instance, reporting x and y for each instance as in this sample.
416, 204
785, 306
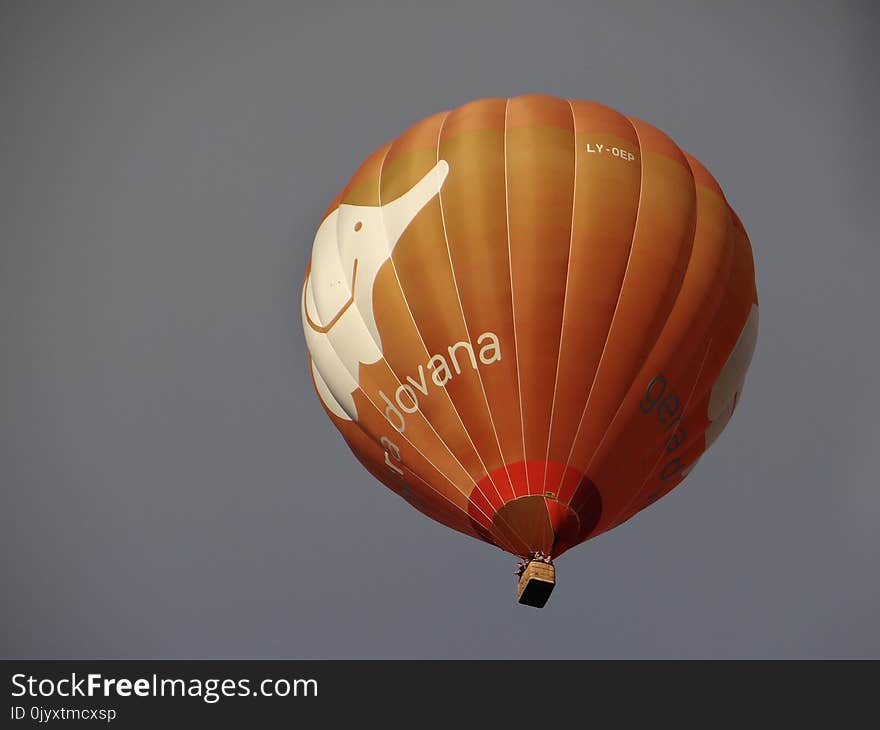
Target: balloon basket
536, 584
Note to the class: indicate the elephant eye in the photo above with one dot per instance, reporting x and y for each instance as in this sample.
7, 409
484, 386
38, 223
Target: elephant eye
358, 225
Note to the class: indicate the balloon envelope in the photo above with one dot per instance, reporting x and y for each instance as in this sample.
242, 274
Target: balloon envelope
529, 318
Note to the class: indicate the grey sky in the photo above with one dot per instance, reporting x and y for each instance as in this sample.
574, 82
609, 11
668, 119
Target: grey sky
170, 486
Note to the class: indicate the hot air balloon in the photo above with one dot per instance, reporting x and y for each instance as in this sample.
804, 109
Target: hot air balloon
529, 318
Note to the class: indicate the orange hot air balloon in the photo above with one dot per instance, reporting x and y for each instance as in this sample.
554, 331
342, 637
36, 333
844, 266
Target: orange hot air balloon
529, 317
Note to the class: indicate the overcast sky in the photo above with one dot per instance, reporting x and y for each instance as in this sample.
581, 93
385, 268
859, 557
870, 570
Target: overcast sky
170, 485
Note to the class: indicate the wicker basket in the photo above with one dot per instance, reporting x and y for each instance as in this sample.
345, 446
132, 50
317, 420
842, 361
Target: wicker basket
536, 584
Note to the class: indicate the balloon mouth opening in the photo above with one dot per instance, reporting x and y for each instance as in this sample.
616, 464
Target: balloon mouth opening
535, 523
538, 506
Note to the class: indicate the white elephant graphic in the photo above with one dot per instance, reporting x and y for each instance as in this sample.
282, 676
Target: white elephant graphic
727, 388
728, 385
337, 298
